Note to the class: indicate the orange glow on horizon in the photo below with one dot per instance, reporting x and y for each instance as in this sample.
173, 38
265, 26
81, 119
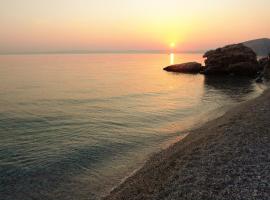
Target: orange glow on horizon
130, 25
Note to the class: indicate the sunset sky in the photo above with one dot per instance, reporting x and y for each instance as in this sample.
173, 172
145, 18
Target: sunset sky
64, 25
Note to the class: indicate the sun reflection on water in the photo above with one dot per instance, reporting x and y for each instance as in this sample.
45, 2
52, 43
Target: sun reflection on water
172, 58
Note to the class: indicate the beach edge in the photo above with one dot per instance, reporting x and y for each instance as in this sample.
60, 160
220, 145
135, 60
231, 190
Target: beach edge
188, 162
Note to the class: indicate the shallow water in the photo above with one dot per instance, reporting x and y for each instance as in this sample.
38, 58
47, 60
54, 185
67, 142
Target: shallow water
72, 126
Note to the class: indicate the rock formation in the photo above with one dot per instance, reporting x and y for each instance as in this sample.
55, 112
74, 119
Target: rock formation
266, 70
236, 59
263, 62
190, 67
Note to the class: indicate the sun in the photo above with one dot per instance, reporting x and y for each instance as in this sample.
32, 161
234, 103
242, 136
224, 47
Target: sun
172, 44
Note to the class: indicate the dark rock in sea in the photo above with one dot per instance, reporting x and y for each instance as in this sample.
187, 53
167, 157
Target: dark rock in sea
259, 78
190, 67
235, 59
263, 62
266, 71
244, 68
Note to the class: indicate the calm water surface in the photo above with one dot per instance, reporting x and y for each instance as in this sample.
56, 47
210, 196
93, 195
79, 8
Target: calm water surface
72, 126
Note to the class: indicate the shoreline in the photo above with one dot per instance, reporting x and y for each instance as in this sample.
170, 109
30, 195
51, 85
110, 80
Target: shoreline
222, 159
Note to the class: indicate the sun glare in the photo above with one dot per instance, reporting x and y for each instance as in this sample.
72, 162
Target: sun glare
172, 45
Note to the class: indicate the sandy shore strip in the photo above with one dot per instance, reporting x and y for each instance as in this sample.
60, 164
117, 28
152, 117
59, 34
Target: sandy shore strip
227, 158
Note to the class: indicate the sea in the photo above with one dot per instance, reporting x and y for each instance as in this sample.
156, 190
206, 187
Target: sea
74, 126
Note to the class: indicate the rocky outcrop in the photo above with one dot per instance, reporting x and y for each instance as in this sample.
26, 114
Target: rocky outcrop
244, 68
265, 70
263, 62
234, 59
190, 67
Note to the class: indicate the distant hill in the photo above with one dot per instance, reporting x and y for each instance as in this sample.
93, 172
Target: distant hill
260, 46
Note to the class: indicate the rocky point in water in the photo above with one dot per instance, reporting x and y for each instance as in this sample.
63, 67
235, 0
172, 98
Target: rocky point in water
236, 59
264, 61
266, 70
190, 67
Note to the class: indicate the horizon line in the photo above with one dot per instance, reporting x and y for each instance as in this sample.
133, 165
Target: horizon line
99, 52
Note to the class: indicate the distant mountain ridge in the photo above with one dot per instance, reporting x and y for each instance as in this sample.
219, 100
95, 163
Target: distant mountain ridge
260, 46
